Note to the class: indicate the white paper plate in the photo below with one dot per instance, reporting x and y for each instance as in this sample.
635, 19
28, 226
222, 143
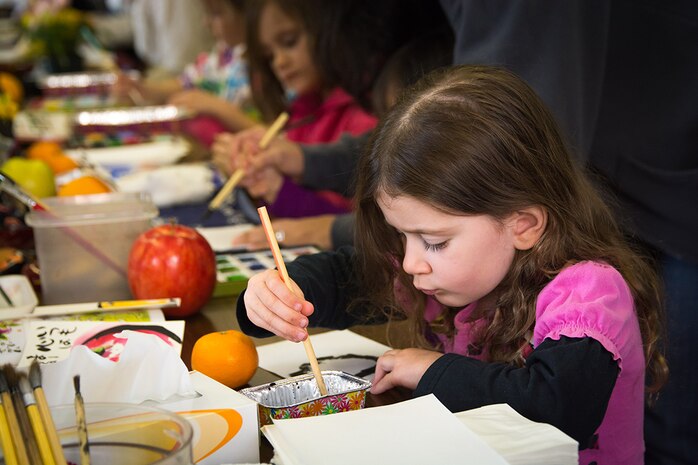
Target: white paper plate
149, 154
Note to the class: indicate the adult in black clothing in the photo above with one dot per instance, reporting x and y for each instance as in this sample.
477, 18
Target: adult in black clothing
646, 148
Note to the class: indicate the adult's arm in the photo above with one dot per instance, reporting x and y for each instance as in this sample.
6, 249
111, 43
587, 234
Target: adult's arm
332, 166
342, 231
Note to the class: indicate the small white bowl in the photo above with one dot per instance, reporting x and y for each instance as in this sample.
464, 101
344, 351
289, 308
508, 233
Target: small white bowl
20, 291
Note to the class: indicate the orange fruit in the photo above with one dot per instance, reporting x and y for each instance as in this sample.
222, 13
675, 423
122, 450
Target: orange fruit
10, 85
61, 164
229, 357
43, 150
83, 186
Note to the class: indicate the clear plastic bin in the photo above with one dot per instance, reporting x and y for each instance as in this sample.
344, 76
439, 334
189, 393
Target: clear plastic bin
83, 243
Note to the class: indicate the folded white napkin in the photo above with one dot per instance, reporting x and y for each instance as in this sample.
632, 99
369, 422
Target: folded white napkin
147, 369
171, 185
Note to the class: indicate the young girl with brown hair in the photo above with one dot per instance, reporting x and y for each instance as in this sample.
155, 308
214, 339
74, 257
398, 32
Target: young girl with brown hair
292, 69
474, 223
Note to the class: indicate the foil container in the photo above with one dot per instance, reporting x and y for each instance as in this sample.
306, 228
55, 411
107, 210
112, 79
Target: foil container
163, 117
300, 397
80, 83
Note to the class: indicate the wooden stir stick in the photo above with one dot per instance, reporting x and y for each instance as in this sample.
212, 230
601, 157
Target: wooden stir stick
239, 173
281, 267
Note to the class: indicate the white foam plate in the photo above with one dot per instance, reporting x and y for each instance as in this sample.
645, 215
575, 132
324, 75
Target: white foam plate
149, 154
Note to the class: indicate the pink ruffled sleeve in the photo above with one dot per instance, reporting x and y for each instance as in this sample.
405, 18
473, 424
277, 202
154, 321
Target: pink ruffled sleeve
589, 299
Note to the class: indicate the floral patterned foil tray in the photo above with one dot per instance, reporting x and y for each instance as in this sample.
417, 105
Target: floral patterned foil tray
300, 397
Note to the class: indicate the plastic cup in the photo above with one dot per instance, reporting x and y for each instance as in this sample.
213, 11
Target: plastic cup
125, 433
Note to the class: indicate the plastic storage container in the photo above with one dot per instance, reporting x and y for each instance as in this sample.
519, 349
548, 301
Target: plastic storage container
83, 242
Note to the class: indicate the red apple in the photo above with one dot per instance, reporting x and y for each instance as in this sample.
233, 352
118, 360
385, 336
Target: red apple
172, 261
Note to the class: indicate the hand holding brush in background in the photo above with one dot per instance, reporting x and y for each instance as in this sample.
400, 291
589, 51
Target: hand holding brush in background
239, 173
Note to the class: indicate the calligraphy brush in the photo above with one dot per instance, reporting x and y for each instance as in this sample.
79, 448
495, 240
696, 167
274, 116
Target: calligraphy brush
5, 298
283, 273
6, 433
45, 412
239, 173
7, 184
81, 423
22, 417
12, 420
37, 424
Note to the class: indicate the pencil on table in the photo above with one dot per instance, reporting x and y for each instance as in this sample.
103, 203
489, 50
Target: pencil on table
12, 421
81, 423
239, 173
281, 267
45, 412
37, 424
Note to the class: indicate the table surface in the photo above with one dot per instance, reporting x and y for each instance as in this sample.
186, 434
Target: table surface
219, 314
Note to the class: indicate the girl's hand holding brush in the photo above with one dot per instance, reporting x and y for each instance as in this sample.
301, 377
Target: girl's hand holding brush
272, 306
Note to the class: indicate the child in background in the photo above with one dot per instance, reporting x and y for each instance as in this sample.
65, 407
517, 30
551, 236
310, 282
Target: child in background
404, 67
475, 225
291, 72
215, 87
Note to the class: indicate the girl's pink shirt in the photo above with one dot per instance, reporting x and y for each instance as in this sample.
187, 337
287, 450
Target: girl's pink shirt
588, 299
327, 119
319, 121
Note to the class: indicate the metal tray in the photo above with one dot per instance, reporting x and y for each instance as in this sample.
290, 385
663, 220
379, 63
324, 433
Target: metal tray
300, 397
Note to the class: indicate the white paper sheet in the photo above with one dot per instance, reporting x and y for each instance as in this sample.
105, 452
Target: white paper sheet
220, 238
417, 431
519, 440
49, 341
13, 331
335, 350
